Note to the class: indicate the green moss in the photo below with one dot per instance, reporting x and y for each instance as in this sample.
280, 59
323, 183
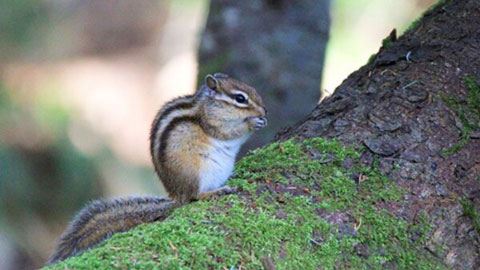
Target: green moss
414, 24
371, 58
468, 110
285, 225
387, 42
473, 99
439, 4
471, 212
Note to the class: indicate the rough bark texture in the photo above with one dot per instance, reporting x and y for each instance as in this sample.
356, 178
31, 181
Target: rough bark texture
413, 107
277, 46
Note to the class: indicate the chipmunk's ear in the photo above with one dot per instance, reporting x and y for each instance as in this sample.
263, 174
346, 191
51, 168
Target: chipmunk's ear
211, 82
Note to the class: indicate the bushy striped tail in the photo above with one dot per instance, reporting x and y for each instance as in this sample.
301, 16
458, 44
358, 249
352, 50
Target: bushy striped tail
100, 219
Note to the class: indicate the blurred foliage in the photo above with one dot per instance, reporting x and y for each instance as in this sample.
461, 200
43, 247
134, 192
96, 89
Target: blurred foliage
44, 177
55, 30
22, 21
37, 182
41, 181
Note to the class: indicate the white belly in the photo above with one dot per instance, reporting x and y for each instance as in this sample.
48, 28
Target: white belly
218, 166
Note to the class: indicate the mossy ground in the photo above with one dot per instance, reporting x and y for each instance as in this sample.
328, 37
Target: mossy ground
286, 190
471, 212
468, 110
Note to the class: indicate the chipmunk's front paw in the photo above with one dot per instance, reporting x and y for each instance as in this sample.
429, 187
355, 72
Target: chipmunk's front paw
257, 123
225, 190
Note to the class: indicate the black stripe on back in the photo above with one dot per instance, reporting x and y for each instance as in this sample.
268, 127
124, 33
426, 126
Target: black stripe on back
166, 133
165, 113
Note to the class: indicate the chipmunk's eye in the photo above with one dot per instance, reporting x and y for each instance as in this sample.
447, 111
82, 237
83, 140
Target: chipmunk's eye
241, 99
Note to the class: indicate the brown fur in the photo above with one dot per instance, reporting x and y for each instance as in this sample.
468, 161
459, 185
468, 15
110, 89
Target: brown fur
99, 220
185, 102
183, 141
183, 152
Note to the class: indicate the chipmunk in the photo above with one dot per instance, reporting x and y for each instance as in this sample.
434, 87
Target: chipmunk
193, 143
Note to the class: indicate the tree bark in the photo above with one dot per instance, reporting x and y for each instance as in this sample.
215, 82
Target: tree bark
277, 46
416, 108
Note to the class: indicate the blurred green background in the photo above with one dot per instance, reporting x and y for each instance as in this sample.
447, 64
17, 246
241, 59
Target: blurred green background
80, 82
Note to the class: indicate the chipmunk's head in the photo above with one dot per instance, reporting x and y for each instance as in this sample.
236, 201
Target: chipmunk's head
235, 102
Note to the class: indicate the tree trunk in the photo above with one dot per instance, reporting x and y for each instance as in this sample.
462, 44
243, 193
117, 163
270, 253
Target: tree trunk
277, 46
416, 108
